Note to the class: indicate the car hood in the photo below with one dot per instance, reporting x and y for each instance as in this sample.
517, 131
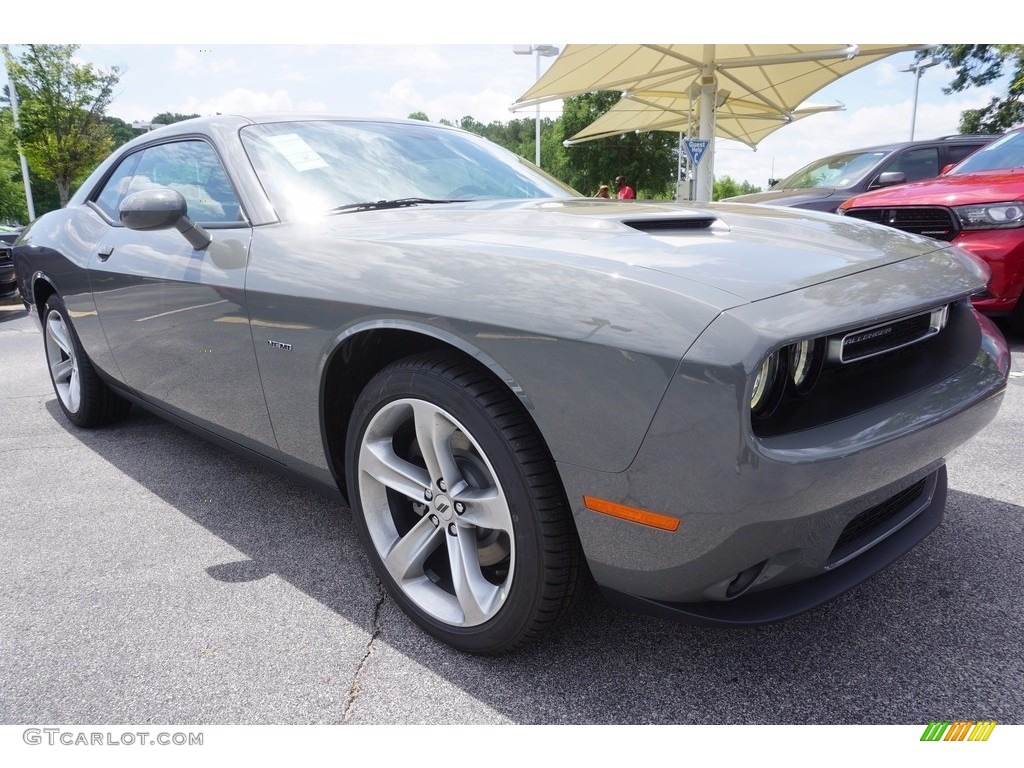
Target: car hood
751, 252
988, 187
786, 197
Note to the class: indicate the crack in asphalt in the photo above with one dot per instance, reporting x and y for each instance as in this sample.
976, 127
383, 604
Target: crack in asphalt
354, 691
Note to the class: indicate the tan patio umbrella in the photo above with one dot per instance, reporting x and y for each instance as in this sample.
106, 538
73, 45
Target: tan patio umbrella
743, 121
779, 76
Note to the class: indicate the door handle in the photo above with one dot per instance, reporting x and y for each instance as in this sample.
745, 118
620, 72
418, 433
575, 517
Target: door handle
105, 252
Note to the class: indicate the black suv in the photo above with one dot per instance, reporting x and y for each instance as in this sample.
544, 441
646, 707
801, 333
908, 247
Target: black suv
8, 284
827, 183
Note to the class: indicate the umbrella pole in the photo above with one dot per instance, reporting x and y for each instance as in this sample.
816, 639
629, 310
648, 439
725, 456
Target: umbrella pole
705, 168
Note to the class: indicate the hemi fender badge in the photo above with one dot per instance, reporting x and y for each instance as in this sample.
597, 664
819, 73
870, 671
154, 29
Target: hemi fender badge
279, 345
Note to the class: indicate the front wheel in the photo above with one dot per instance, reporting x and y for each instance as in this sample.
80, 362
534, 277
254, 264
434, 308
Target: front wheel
459, 505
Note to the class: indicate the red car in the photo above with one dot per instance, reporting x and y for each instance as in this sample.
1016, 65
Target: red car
978, 205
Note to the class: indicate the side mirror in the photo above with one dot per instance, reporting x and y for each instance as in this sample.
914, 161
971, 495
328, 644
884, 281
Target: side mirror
162, 208
773, 182
889, 179
945, 168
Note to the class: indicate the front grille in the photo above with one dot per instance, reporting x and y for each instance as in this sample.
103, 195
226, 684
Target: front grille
5, 254
886, 337
930, 221
870, 519
856, 346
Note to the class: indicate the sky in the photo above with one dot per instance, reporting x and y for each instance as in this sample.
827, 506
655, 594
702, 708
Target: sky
443, 59
482, 81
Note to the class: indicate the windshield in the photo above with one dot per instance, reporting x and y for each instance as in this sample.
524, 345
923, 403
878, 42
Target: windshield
315, 166
1007, 152
843, 170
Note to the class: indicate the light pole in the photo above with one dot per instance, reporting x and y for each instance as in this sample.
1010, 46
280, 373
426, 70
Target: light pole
13, 93
918, 68
537, 51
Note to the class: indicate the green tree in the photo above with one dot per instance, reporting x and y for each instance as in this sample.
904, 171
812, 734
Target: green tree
62, 105
167, 118
12, 191
726, 186
646, 159
419, 116
120, 131
977, 65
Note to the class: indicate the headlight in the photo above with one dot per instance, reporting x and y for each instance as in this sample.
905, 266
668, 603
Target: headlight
804, 362
991, 215
762, 399
791, 371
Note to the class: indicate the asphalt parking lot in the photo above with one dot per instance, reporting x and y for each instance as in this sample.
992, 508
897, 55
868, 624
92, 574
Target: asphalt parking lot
150, 577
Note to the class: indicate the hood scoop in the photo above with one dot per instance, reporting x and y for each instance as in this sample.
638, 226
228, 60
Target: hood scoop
660, 225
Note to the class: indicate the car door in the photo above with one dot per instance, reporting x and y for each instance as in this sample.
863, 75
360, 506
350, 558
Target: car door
174, 317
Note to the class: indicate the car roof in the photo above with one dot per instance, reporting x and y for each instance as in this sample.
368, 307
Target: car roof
956, 138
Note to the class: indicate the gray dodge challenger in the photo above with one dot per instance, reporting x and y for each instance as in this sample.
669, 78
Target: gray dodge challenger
727, 414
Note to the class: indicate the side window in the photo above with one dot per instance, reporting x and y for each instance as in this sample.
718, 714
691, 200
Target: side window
191, 168
917, 164
116, 187
959, 152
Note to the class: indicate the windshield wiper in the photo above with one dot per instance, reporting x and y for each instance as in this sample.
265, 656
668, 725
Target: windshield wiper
403, 202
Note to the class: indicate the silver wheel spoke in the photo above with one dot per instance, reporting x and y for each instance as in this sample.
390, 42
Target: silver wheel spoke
485, 508
477, 597
380, 462
433, 432
55, 330
405, 560
63, 370
74, 391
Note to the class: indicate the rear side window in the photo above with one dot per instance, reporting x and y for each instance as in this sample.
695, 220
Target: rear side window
960, 151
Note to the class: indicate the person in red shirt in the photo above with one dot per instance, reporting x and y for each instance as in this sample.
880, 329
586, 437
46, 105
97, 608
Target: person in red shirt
625, 191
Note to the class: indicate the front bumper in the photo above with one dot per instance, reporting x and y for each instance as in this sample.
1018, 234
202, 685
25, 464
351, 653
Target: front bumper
764, 523
1003, 251
788, 601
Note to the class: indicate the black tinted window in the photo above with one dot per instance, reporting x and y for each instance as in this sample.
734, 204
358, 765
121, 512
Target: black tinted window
916, 164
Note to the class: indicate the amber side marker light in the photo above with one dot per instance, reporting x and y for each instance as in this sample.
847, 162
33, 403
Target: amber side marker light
632, 514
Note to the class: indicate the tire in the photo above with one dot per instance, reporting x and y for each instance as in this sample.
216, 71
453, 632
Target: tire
1016, 319
480, 549
83, 396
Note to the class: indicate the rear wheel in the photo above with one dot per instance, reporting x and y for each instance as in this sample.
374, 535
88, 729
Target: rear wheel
83, 396
459, 506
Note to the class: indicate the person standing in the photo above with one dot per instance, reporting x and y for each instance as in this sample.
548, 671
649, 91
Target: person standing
603, 191
625, 191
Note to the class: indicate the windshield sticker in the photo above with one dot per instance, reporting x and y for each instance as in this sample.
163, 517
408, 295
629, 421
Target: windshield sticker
297, 152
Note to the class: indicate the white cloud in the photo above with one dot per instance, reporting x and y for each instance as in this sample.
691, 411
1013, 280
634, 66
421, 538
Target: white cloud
240, 100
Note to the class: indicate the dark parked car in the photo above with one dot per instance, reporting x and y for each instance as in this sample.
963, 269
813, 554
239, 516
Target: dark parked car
730, 414
825, 183
979, 206
8, 283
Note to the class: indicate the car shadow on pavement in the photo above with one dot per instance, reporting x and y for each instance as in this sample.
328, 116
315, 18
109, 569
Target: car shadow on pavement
939, 634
